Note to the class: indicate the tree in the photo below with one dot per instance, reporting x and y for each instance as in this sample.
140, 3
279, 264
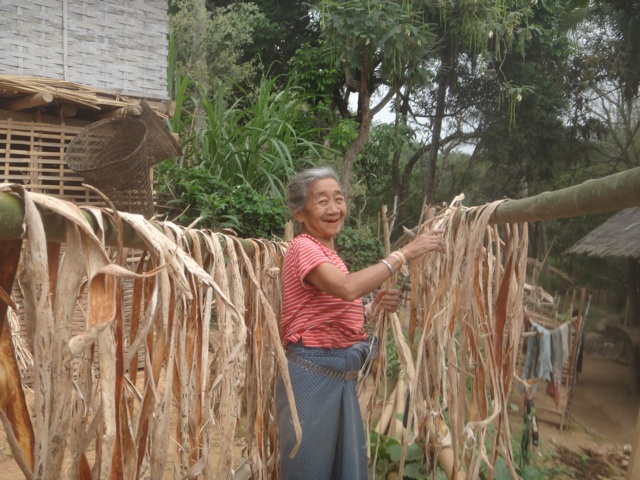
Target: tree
622, 17
412, 50
373, 42
210, 43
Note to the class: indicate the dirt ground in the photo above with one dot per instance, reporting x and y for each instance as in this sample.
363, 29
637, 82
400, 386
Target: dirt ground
598, 440
592, 447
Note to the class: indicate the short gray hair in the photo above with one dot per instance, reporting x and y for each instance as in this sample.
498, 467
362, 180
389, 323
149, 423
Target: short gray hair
300, 183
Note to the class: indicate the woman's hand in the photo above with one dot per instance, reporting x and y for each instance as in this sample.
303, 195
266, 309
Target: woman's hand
387, 299
425, 242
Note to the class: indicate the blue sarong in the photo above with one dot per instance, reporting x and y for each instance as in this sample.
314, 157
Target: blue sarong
334, 443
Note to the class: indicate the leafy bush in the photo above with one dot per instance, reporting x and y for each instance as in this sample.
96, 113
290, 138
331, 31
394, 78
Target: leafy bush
192, 192
358, 247
389, 451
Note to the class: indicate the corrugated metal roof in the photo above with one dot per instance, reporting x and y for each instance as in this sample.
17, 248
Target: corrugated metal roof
618, 237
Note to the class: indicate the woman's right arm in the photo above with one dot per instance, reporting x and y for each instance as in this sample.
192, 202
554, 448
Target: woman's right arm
328, 278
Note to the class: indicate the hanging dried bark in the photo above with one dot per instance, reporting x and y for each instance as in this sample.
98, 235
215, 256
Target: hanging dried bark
194, 350
466, 312
103, 404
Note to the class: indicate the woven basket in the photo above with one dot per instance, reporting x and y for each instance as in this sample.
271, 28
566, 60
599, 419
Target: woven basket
160, 143
133, 199
111, 150
111, 155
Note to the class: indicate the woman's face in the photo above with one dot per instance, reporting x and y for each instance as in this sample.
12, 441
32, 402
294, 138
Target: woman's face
324, 214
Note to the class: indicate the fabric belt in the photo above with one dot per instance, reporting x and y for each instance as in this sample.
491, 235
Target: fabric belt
319, 369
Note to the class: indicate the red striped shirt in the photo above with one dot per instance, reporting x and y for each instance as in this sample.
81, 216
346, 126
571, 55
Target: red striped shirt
321, 320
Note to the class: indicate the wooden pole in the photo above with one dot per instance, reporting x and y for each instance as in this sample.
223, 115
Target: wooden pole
35, 100
128, 111
612, 193
12, 215
68, 111
633, 471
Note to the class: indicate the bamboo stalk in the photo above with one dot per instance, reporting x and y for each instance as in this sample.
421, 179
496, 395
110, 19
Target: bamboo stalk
440, 437
607, 194
126, 111
615, 192
12, 215
396, 429
387, 412
35, 100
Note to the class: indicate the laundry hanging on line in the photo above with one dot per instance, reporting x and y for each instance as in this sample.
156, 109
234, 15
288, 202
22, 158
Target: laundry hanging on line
547, 352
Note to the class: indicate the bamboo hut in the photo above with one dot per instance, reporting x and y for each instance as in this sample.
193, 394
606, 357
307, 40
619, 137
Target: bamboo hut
110, 45
66, 67
618, 237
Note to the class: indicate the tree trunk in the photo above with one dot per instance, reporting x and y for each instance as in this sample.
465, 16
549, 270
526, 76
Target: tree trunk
633, 290
441, 96
400, 183
366, 117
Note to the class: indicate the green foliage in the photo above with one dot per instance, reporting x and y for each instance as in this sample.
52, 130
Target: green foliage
389, 452
358, 247
196, 193
393, 361
314, 72
286, 26
343, 134
259, 139
393, 31
209, 44
238, 155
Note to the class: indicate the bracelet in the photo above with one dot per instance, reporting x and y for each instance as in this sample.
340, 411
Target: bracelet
400, 257
388, 265
399, 252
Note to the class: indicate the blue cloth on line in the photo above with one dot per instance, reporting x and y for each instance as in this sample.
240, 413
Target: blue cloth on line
537, 362
334, 443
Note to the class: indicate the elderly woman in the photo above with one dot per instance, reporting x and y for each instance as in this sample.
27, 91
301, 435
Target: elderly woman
321, 328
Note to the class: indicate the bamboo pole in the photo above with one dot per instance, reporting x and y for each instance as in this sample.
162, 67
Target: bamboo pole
126, 111
633, 470
606, 194
12, 215
31, 101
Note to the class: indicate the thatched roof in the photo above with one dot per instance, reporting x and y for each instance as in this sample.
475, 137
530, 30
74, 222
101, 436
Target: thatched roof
50, 96
618, 237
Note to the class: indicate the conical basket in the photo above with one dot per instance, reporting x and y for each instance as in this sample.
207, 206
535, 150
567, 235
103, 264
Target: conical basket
111, 155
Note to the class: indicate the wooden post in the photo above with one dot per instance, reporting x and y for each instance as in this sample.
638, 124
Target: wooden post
128, 111
633, 472
12, 215
631, 310
35, 100
68, 111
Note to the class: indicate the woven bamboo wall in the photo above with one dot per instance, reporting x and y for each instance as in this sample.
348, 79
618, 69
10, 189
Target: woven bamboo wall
32, 154
120, 46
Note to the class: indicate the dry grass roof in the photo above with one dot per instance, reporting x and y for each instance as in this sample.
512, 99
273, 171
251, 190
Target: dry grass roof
618, 237
50, 96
